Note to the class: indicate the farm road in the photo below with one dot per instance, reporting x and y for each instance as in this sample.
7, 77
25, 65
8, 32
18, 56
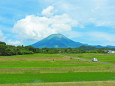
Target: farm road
88, 59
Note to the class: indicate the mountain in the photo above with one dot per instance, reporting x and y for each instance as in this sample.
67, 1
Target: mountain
99, 46
109, 46
60, 41
57, 41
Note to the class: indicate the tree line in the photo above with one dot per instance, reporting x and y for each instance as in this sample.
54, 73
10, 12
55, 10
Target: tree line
9, 50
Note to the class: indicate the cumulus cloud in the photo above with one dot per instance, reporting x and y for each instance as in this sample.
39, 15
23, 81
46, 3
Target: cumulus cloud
98, 12
48, 11
38, 27
16, 43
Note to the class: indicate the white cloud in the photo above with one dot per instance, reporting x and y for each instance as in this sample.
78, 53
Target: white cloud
35, 27
48, 11
98, 12
10, 42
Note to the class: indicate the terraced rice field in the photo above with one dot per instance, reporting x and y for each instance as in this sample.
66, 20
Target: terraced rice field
56, 70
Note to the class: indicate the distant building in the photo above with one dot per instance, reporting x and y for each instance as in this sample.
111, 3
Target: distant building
110, 51
94, 60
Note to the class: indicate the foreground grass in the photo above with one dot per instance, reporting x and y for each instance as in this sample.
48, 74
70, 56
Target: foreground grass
56, 77
38, 69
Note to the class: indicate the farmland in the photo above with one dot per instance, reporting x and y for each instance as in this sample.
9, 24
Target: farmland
101, 57
56, 70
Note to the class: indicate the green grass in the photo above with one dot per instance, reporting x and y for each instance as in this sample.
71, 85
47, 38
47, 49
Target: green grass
36, 68
55, 77
110, 58
47, 63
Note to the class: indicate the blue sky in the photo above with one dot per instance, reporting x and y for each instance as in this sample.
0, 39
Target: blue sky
86, 21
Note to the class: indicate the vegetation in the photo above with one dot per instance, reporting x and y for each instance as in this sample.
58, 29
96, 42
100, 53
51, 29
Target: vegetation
110, 58
48, 68
55, 77
26, 64
9, 50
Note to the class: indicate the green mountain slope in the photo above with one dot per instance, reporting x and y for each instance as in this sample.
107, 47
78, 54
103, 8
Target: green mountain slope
56, 41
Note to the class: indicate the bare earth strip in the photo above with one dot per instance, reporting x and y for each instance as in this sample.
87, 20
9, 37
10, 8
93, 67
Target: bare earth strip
91, 83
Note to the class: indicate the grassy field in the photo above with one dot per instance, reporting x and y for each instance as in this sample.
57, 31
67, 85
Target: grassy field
55, 77
49, 69
101, 57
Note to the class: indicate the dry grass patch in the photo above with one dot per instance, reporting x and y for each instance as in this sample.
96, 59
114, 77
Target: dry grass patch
88, 83
32, 59
56, 70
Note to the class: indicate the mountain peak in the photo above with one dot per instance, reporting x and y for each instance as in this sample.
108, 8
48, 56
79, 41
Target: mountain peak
56, 36
56, 41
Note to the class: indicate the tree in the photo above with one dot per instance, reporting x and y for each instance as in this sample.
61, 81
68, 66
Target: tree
2, 49
2, 43
30, 48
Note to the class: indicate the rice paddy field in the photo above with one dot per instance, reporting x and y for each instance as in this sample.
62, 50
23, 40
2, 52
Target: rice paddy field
110, 58
57, 70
